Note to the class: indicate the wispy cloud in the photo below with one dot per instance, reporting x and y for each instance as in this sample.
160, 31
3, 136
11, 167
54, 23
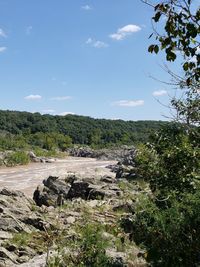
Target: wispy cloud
2, 33
128, 103
29, 30
159, 93
48, 111
95, 43
61, 98
33, 97
3, 49
125, 31
66, 113
86, 7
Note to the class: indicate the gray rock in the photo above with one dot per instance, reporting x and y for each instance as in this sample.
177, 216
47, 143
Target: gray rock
70, 220
56, 185
8, 192
5, 254
32, 155
107, 179
5, 235
78, 189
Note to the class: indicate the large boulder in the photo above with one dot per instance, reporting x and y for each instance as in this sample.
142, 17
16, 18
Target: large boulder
58, 189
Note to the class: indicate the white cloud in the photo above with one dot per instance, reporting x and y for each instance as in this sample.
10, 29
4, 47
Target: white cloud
48, 111
2, 33
61, 98
32, 97
66, 113
100, 44
159, 93
2, 49
89, 41
28, 30
86, 7
115, 119
95, 43
125, 31
129, 103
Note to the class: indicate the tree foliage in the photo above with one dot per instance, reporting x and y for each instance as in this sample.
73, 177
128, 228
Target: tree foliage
181, 34
171, 236
19, 129
179, 38
171, 161
167, 223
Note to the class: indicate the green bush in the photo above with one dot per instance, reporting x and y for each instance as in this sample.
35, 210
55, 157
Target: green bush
170, 235
88, 250
17, 158
167, 225
172, 160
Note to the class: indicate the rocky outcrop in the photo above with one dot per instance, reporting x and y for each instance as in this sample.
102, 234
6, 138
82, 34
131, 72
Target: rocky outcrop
61, 208
34, 158
16, 216
72, 187
103, 154
125, 168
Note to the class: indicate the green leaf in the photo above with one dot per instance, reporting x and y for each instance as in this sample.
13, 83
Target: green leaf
171, 56
157, 16
185, 66
156, 49
151, 48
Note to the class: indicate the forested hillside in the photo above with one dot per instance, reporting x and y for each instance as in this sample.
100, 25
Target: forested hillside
46, 130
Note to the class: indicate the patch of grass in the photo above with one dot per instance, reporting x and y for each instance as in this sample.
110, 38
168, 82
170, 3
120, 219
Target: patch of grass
87, 249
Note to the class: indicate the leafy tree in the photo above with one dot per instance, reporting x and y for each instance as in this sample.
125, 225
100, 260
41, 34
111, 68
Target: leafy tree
171, 162
167, 223
180, 36
171, 235
51, 132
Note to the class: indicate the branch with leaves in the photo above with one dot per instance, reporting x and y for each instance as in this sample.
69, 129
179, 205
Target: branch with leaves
181, 27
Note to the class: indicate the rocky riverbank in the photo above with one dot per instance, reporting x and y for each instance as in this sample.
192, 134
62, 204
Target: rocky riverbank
54, 228
116, 154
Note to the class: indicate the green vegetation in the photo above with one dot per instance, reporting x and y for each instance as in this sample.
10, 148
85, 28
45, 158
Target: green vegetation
181, 30
88, 250
171, 161
166, 221
168, 230
17, 158
179, 25
19, 130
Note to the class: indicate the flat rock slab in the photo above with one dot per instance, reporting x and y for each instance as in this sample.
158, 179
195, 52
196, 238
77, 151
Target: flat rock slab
5, 235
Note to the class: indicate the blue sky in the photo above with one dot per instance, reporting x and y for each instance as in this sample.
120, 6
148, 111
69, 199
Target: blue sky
83, 57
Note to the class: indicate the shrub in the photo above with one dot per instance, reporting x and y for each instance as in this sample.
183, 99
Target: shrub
172, 160
170, 235
17, 158
88, 250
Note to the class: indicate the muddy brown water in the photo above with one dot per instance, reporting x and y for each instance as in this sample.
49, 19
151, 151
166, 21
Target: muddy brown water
26, 178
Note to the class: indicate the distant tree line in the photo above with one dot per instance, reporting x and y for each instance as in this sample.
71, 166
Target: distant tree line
19, 129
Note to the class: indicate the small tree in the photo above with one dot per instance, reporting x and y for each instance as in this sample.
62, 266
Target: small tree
180, 36
167, 224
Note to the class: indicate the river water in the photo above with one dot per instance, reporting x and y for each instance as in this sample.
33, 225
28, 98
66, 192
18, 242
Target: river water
26, 178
